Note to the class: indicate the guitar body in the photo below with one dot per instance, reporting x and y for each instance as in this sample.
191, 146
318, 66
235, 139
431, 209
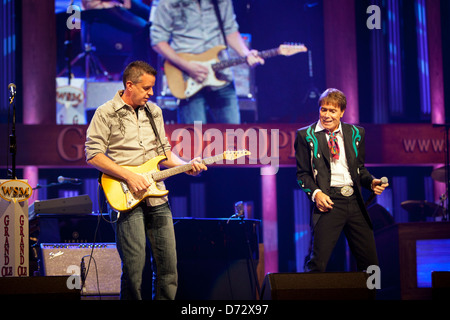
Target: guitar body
120, 198
182, 88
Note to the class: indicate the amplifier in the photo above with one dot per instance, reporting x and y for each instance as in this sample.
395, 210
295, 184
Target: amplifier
103, 276
98, 92
72, 205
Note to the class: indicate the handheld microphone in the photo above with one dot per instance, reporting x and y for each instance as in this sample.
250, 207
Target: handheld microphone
384, 180
62, 179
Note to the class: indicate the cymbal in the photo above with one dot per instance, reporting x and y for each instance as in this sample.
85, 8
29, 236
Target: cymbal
439, 174
423, 207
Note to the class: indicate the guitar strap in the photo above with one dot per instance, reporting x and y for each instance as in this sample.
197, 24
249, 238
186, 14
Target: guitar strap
152, 122
216, 9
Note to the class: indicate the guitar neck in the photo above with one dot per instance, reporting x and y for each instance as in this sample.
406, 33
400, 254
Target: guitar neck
164, 174
241, 60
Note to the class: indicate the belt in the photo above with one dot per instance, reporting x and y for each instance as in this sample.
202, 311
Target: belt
346, 191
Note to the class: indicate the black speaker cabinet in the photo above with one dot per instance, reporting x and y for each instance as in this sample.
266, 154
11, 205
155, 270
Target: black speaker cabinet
316, 286
103, 276
217, 259
440, 281
36, 288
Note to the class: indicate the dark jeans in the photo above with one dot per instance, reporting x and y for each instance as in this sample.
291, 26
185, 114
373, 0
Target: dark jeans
221, 104
133, 229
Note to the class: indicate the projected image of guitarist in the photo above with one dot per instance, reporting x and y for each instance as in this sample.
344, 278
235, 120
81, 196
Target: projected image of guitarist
183, 29
126, 136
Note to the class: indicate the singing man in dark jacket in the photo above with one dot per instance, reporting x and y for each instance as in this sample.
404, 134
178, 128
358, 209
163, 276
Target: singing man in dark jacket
330, 170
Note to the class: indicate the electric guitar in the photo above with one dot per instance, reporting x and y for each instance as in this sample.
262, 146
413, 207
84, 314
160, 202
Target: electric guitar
183, 86
122, 199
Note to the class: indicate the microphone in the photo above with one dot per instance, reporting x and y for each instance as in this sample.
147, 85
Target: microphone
62, 179
384, 180
238, 211
12, 89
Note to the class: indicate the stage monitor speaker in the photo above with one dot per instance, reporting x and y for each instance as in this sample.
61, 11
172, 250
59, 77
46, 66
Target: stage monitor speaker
36, 288
316, 286
103, 276
440, 284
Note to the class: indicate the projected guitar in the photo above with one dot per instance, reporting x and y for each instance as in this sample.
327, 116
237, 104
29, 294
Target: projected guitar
182, 87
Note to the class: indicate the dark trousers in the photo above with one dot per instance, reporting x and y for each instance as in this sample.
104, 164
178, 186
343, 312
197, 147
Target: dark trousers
136, 228
345, 216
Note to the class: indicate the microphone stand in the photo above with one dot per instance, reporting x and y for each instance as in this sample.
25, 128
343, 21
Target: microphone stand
239, 213
68, 51
252, 260
12, 138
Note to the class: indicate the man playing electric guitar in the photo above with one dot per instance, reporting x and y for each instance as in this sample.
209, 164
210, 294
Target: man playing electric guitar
122, 133
192, 26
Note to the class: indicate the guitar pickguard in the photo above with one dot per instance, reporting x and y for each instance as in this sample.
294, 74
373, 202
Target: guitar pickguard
132, 199
192, 86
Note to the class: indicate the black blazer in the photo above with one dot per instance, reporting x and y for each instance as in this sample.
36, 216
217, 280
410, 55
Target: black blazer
313, 162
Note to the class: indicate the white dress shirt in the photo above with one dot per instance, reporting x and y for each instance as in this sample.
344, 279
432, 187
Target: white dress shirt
340, 174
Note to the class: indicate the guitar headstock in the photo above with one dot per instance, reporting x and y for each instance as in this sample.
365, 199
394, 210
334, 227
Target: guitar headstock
291, 49
232, 155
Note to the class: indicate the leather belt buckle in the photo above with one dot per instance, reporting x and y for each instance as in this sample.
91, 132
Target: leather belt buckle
346, 191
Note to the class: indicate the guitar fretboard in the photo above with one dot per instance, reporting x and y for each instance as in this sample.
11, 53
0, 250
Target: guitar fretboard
164, 174
241, 60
